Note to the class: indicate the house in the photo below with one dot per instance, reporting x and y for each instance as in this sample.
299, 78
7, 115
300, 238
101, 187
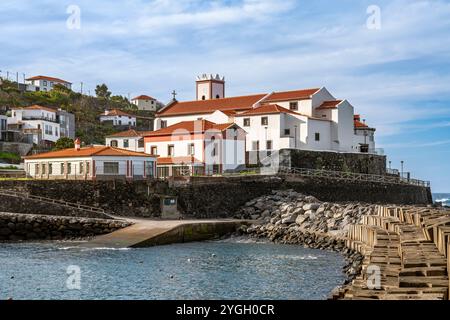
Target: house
144, 102
44, 83
197, 147
306, 119
91, 163
130, 140
66, 121
38, 124
118, 118
364, 139
3, 127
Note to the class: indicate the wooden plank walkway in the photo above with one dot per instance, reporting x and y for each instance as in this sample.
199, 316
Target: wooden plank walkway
409, 247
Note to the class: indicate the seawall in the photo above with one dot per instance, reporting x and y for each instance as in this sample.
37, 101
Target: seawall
14, 227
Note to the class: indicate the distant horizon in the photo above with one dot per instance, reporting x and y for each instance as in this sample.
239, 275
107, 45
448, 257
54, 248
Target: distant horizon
391, 60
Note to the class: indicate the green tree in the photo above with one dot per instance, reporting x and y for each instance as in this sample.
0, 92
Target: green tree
64, 143
102, 91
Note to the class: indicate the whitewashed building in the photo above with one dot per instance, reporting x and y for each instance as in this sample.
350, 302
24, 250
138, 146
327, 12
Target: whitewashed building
118, 118
130, 140
307, 119
144, 102
91, 163
39, 123
197, 147
44, 83
364, 137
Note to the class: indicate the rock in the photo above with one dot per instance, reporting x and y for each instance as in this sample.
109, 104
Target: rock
311, 206
300, 219
5, 232
289, 220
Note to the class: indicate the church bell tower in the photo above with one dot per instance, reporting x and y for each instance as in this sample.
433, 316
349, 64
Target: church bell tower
210, 87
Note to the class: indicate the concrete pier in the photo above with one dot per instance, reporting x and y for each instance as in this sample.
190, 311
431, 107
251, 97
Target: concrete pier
147, 233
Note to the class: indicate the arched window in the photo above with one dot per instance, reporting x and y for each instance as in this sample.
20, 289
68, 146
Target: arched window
203, 97
217, 96
113, 143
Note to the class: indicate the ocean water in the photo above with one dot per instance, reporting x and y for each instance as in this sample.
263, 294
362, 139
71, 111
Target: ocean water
442, 197
203, 270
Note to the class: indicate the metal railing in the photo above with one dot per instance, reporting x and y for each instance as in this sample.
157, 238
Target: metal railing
350, 176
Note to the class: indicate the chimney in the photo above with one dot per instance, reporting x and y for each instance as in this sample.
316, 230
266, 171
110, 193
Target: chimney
106, 112
77, 144
357, 117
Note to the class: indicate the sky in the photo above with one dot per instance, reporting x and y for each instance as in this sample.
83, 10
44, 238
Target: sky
390, 59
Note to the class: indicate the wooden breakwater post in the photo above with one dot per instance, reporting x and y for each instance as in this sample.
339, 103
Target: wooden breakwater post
409, 246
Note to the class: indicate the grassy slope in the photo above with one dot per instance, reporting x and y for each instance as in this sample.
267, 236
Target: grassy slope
85, 108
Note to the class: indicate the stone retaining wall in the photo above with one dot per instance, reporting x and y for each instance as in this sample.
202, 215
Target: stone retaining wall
14, 227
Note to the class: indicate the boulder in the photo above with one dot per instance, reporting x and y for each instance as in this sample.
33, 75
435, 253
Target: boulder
311, 206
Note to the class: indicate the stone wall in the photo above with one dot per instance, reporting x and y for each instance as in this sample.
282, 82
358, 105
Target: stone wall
31, 206
222, 197
123, 198
334, 161
15, 227
16, 147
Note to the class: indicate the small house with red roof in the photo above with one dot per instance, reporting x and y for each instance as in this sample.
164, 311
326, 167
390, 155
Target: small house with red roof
118, 118
197, 147
45, 83
144, 102
90, 163
131, 139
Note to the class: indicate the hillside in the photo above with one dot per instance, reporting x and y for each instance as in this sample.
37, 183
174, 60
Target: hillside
85, 108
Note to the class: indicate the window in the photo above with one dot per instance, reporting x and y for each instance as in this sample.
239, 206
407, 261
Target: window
170, 150
287, 132
81, 167
269, 145
50, 168
62, 168
255, 145
293, 105
51, 84
246, 122
191, 149
111, 167
217, 96
45, 83
120, 122
88, 167
154, 150
126, 143
43, 168
69, 168
317, 136
113, 143
36, 168
141, 143
163, 124
203, 98
149, 168
264, 121
56, 132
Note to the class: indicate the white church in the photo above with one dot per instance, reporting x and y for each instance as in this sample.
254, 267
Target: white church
306, 119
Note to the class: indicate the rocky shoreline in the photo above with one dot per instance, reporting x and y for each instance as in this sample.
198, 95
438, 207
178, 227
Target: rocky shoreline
288, 217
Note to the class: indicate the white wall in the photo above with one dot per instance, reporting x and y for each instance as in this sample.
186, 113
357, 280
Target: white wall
119, 120
321, 96
180, 147
359, 138
132, 143
345, 126
322, 127
258, 132
149, 105
178, 119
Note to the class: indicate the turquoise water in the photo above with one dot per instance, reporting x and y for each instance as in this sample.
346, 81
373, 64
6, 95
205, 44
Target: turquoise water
206, 270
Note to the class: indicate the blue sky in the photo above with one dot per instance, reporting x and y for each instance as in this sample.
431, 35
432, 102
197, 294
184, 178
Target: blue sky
397, 76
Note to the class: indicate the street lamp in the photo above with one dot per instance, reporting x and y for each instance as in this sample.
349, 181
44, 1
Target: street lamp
402, 162
390, 163
295, 136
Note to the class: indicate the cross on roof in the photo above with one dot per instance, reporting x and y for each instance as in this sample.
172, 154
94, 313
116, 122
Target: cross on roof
174, 93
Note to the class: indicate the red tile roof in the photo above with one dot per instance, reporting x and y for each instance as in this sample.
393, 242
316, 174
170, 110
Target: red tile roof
292, 95
48, 78
209, 106
197, 126
36, 107
267, 109
178, 160
89, 152
329, 105
117, 112
143, 97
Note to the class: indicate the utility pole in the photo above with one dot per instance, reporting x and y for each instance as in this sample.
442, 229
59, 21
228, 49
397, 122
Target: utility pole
23, 78
82, 87
402, 162
17, 80
7, 75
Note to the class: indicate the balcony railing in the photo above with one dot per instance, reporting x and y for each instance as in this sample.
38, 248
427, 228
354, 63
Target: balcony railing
40, 118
